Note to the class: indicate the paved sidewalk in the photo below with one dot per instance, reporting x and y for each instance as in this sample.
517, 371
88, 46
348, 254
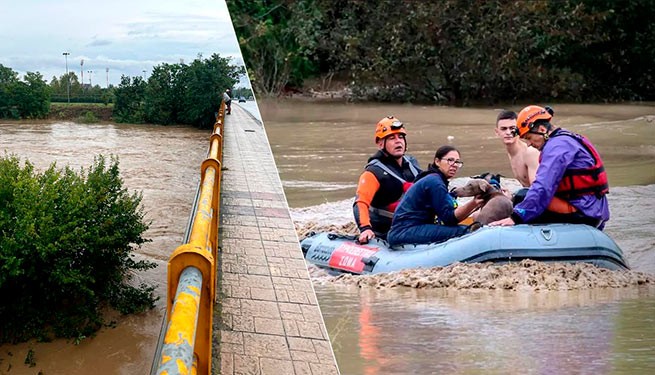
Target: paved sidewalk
267, 318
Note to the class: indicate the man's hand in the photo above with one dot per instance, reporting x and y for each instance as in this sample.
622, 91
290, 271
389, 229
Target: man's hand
365, 236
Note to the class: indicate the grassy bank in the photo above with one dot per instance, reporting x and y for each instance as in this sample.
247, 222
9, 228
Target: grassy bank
81, 112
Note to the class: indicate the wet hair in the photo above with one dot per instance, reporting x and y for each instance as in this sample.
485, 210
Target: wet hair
443, 150
506, 115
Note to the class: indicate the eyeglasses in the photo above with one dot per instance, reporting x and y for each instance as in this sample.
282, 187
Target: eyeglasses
453, 161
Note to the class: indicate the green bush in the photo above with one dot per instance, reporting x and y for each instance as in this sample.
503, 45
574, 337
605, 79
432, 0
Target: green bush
88, 118
66, 249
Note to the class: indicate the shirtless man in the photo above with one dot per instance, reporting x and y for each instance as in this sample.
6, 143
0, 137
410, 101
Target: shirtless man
524, 160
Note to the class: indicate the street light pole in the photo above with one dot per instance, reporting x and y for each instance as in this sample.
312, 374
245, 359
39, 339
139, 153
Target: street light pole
68, 81
144, 75
90, 73
82, 73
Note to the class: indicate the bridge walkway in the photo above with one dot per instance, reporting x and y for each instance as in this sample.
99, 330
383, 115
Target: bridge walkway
267, 319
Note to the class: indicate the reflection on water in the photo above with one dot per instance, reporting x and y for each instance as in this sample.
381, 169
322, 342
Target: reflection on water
410, 331
433, 331
161, 162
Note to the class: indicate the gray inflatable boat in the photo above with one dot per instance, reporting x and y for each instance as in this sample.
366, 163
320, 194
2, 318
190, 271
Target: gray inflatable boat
572, 243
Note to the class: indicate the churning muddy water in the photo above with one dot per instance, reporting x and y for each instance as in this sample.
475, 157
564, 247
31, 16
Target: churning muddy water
526, 318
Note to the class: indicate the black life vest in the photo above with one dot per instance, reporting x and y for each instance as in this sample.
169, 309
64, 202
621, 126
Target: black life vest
582, 181
392, 185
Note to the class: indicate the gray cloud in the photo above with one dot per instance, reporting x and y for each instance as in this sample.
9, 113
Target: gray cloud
125, 36
99, 42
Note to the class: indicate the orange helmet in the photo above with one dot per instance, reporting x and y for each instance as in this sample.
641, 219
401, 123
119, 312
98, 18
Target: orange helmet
530, 115
388, 126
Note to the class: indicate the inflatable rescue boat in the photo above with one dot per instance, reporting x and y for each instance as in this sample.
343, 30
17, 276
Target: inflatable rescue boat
571, 243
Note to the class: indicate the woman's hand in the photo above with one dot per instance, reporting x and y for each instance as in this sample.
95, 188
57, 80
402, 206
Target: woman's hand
463, 211
478, 201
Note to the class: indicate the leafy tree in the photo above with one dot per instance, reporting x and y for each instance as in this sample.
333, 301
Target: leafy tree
178, 93
8, 80
23, 99
66, 249
130, 98
453, 51
204, 81
37, 103
268, 43
161, 94
242, 91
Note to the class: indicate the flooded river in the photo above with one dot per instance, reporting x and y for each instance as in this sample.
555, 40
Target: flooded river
320, 150
163, 163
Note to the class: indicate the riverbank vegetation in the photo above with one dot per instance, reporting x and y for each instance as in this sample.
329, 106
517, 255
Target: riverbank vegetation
177, 93
452, 51
187, 94
23, 98
66, 250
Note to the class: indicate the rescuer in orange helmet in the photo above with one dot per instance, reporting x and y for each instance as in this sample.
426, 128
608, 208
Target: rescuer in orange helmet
570, 168
386, 177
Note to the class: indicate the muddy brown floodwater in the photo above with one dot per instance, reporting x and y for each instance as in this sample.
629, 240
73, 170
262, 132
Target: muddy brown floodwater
163, 163
382, 326
526, 318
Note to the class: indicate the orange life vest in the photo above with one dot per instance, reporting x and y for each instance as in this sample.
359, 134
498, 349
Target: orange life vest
582, 181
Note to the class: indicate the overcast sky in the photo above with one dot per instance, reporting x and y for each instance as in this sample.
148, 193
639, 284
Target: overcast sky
126, 36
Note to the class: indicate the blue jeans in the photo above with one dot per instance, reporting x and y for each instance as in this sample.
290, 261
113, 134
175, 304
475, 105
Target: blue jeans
424, 233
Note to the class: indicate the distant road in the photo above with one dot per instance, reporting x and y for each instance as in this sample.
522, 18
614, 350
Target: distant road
251, 107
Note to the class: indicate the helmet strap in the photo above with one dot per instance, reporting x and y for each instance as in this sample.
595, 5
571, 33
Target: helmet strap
546, 124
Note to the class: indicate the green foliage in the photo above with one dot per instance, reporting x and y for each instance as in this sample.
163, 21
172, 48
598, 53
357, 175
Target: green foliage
204, 83
88, 118
164, 86
29, 98
177, 93
66, 249
453, 51
130, 100
269, 44
79, 93
242, 91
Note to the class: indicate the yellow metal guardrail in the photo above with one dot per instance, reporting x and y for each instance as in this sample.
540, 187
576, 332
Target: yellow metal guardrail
187, 342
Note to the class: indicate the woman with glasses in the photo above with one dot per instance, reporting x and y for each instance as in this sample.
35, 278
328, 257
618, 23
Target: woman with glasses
427, 212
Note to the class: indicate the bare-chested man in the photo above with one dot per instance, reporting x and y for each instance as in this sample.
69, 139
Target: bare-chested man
524, 160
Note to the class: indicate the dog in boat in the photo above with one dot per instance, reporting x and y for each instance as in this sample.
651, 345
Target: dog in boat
496, 204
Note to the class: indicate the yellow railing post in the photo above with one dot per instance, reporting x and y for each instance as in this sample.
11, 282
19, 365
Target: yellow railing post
187, 342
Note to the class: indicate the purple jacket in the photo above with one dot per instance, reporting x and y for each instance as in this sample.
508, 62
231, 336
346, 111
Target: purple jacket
558, 155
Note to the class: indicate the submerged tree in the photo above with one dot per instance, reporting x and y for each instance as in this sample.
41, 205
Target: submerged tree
67, 250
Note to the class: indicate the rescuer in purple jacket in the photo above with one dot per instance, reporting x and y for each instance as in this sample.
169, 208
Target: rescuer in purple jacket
570, 168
